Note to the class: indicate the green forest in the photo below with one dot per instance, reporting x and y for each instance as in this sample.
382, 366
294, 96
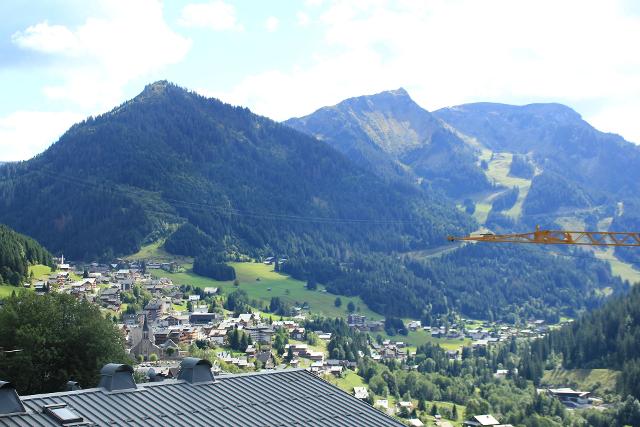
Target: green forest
508, 282
250, 184
608, 337
17, 252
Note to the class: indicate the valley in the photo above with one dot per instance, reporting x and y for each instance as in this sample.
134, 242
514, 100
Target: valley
325, 248
325, 213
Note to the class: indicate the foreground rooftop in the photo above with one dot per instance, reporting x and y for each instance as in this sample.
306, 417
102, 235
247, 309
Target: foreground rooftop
275, 398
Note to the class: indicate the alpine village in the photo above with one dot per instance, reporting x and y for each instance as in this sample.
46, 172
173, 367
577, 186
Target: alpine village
181, 261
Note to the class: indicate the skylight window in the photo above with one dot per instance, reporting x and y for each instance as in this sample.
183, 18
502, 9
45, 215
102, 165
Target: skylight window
63, 414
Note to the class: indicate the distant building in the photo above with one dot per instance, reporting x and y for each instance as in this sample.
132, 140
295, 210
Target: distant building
360, 393
260, 334
146, 346
570, 396
483, 420
356, 319
154, 309
202, 318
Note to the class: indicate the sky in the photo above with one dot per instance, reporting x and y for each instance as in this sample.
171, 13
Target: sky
62, 61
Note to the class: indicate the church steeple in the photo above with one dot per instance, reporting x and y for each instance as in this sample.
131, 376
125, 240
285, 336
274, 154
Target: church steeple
145, 328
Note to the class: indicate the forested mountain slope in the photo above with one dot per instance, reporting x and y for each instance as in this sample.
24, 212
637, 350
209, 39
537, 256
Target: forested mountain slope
608, 337
555, 139
483, 281
252, 185
393, 136
17, 252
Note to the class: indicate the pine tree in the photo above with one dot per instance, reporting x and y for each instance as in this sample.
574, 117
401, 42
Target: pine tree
244, 342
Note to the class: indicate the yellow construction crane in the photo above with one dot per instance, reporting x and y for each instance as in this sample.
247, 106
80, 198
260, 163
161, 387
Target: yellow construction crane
559, 237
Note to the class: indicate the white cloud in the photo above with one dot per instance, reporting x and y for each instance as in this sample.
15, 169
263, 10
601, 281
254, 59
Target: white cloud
271, 24
302, 19
47, 38
455, 51
130, 40
619, 117
92, 64
216, 15
25, 133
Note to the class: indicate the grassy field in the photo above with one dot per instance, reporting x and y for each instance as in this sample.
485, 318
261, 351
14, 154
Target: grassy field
620, 268
347, 382
40, 271
420, 336
5, 290
499, 172
287, 289
482, 211
156, 252
599, 381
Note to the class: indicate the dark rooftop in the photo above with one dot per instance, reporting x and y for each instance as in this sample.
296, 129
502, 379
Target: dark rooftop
275, 398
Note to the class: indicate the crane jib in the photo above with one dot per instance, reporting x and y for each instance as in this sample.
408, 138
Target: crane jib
559, 237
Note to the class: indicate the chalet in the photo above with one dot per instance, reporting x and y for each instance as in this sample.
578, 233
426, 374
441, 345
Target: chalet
41, 287
189, 335
266, 359
298, 334
405, 404
154, 309
173, 320
126, 284
210, 291
250, 351
483, 420
414, 325
202, 318
161, 335
374, 325
289, 325
247, 319
123, 274
110, 296
325, 336
335, 370
316, 356
360, 393
217, 336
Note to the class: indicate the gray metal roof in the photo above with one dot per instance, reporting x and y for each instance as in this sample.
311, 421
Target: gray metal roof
269, 399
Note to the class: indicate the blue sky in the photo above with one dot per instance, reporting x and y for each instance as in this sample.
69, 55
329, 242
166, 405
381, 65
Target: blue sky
61, 61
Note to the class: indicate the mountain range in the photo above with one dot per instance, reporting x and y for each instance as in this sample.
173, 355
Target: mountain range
513, 167
359, 196
390, 134
169, 156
